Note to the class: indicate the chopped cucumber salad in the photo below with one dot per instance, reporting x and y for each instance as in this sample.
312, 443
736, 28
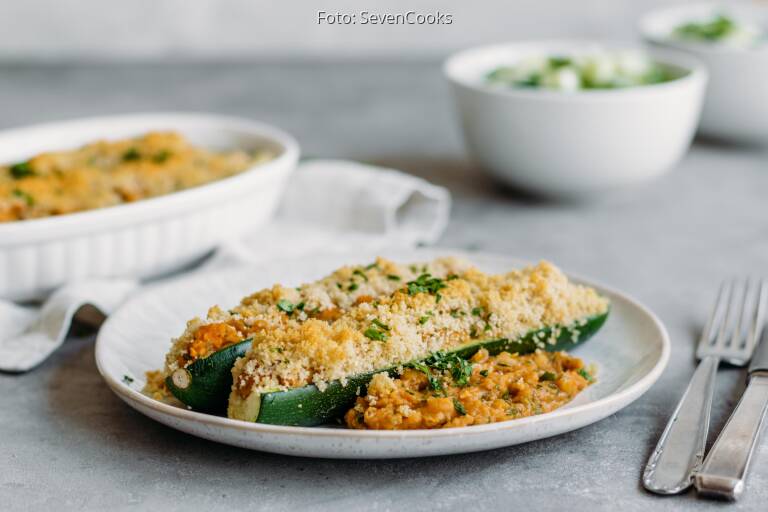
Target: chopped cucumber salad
721, 29
597, 70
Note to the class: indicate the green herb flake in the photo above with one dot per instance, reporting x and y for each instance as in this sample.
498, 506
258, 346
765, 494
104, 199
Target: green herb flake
547, 376
352, 287
459, 407
477, 311
425, 283
285, 306
131, 155
21, 170
360, 273
435, 383
451, 277
484, 373
127, 379
584, 373
372, 266
161, 156
393, 277
424, 319
377, 331
379, 324
28, 198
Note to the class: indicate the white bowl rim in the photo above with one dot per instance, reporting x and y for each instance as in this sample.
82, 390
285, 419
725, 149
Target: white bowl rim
628, 394
60, 226
649, 18
695, 71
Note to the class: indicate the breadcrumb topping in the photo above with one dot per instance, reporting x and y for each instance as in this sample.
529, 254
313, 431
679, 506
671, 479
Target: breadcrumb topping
437, 306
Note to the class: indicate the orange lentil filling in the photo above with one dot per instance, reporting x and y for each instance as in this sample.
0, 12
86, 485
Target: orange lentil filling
493, 388
212, 337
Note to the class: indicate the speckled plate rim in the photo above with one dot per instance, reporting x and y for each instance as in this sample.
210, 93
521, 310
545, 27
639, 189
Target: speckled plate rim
594, 410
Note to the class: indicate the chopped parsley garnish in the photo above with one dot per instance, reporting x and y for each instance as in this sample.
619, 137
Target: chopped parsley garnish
285, 306
21, 170
360, 273
484, 373
425, 283
547, 376
25, 196
478, 311
377, 331
379, 324
472, 331
161, 156
424, 319
393, 277
460, 369
127, 379
451, 277
584, 373
459, 407
131, 155
299, 306
435, 383
457, 313
352, 287
372, 266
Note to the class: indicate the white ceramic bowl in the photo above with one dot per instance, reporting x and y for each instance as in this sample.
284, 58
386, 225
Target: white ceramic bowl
572, 143
148, 237
736, 104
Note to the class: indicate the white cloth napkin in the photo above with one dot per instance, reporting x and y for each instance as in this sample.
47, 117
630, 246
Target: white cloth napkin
329, 205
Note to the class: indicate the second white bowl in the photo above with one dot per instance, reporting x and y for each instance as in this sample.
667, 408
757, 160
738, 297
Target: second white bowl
736, 104
569, 144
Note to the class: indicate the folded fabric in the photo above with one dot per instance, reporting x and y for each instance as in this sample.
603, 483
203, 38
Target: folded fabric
329, 206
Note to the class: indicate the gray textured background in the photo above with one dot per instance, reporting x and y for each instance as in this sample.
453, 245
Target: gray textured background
69, 444
88, 29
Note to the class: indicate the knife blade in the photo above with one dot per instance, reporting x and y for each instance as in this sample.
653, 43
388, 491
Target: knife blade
759, 357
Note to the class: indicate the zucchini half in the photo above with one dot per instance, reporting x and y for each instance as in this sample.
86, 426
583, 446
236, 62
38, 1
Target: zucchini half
308, 406
205, 384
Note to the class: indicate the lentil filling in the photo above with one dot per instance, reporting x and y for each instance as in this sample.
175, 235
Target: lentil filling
452, 392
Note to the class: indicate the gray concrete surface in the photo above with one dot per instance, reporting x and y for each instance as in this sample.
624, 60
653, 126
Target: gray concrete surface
69, 444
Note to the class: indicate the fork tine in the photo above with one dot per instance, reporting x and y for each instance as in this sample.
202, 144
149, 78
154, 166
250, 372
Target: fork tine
708, 333
720, 341
756, 328
741, 315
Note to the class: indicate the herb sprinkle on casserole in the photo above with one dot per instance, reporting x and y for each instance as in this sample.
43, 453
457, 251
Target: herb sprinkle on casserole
432, 307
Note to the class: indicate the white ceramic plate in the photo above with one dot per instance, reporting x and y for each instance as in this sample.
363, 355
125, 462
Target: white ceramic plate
631, 351
149, 237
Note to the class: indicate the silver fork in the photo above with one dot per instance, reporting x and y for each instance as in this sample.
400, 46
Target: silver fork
730, 335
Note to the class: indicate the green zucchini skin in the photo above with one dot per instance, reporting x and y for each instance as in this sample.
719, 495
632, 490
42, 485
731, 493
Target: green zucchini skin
210, 379
308, 406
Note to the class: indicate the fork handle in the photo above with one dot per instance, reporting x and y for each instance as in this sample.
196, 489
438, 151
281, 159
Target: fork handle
681, 447
725, 469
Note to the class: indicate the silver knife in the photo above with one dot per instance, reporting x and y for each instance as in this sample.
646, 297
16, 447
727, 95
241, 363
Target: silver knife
724, 472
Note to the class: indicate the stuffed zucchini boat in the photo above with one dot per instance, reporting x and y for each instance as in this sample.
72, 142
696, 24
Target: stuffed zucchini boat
306, 360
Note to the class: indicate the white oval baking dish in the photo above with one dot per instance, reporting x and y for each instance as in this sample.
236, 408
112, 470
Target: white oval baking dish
151, 236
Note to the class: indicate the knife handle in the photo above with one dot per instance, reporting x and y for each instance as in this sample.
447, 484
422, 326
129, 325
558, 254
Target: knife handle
681, 446
724, 472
